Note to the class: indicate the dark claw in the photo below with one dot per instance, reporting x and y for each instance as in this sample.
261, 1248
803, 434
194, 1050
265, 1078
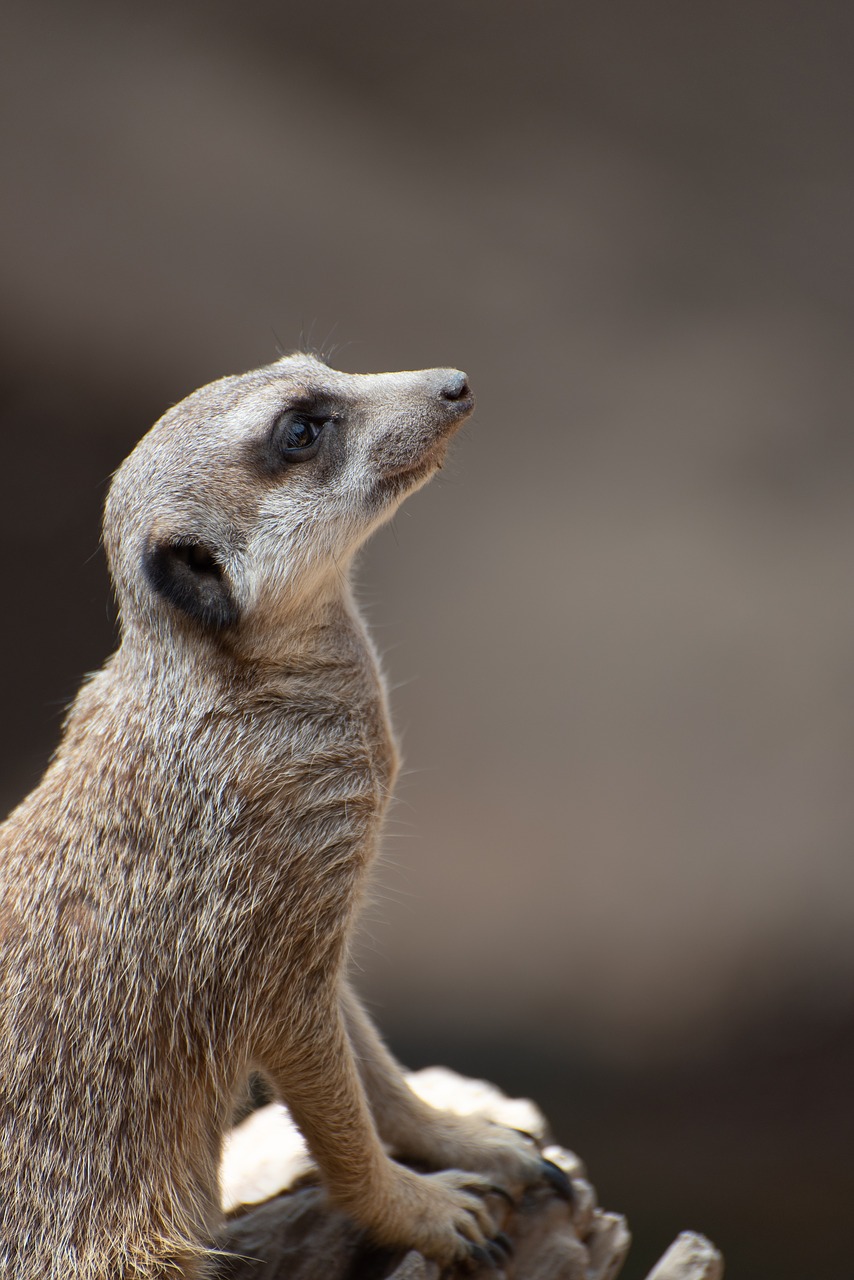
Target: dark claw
498, 1256
478, 1254
503, 1242
558, 1179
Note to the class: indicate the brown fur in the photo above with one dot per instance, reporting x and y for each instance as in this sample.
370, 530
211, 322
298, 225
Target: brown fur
176, 896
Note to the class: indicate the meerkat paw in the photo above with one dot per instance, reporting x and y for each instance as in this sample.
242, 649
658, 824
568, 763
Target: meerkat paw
514, 1158
511, 1156
507, 1156
446, 1216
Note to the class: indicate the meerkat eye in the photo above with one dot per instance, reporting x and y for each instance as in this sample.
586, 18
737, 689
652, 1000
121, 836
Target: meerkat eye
296, 435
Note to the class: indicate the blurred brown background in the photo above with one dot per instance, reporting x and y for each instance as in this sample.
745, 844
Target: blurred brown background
621, 623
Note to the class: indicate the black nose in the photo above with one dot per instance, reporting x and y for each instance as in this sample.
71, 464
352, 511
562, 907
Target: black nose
456, 387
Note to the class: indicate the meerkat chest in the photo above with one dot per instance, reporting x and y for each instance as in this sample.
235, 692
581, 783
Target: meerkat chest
332, 749
313, 801
334, 730
323, 765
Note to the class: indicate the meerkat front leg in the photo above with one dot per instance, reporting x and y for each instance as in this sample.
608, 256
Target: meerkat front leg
415, 1130
443, 1215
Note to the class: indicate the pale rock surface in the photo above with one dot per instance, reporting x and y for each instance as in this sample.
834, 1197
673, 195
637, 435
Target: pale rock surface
281, 1226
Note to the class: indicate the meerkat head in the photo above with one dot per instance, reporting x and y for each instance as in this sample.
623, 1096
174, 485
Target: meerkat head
248, 500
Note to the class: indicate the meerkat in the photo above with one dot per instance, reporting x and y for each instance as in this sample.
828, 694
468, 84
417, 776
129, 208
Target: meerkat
177, 895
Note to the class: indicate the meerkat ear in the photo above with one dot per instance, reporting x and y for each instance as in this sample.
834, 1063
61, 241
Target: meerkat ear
190, 577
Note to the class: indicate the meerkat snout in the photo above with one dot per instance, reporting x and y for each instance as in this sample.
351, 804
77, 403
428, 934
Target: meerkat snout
456, 387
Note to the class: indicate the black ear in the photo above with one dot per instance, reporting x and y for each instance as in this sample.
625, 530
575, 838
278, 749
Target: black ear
188, 576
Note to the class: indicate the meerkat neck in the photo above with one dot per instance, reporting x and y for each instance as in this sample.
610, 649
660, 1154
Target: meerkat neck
331, 637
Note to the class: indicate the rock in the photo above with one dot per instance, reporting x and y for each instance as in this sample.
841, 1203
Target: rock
282, 1227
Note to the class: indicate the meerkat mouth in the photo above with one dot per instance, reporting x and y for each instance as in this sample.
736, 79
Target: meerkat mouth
433, 455
418, 471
